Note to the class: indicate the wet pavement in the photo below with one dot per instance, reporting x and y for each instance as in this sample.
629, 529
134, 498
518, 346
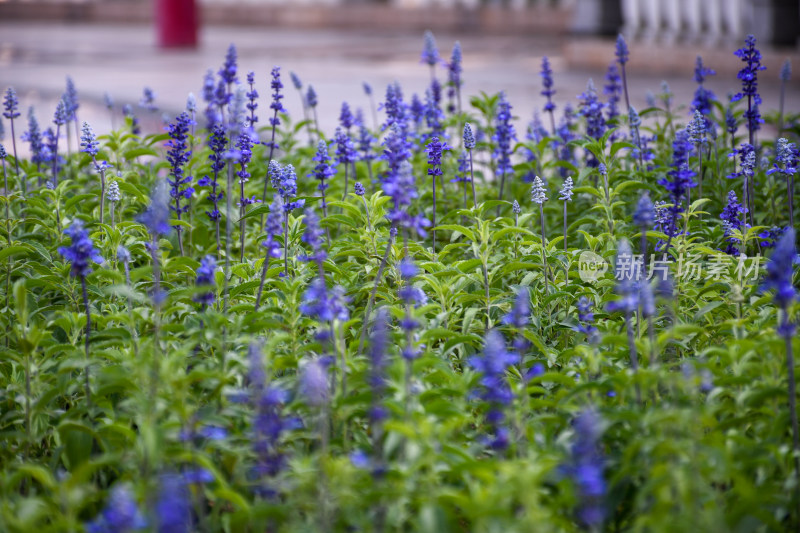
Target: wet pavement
35, 58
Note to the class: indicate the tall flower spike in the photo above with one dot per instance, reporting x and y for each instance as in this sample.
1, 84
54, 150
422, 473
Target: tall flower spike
81, 252
313, 237
516, 208
274, 227
156, 216
780, 269
519, 315
314, 380
586, 319
89, 142
113, 194
173, 505
621, 50
430, 54
586, 469
469, 137
454, 82
494, 388
565, 193
10, 104
503, 137
538, 191
120, 515
627, 271
732, 220
148, 100
276, 104
346, 118
311, 97
645, 215
750, 55
547, 83
229, 68
252, 96
206, 280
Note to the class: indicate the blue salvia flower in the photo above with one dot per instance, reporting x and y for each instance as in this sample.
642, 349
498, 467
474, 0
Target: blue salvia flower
645, 214
313, 237
244, 145
379, 362
519, 315
746, 161
565, 135
732, 220
120, 515
177, 156
749, 78
613, 89
367, 88
469, 137
454, 70
346, 118
71, 97
402, 189
697, 128
586, 469
787, 158
365, 140
592, 110
237, 124
89, 144
314, 378
627, 273
218, 143
10, 104
547, 82
276, 104
434, 117
565, 193
252, 96
503, 137
679, 180
34, 137
621, 50
311, 97
191, 104
412, 297
345, 150
430, 54
586, 319
322, 305
786, 71
285, 181
641, 152
323, 171
61, 116
296, 81
173, 506
274, 227
395, 108
730, 123
396, 150
112, 194
780, 269
148, 100
771, 236
703, 97
516, 208
538, 191
206, 280
417, 111
494, 388
229, 68
210, 97
358, 189
81, 252
2, 131
156, 217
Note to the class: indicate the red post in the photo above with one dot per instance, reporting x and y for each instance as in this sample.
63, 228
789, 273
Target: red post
177, 23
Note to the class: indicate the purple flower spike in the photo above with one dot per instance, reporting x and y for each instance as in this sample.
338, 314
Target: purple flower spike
10, 104
205, 279
81, 252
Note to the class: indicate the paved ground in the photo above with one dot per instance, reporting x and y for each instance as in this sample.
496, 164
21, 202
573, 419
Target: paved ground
36, 57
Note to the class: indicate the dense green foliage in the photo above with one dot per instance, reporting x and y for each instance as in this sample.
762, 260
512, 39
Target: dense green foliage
708, 448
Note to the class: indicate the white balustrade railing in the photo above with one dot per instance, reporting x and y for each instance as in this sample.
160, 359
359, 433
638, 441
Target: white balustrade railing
709, 22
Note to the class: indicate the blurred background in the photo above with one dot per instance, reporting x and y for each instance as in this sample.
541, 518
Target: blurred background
119, 47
